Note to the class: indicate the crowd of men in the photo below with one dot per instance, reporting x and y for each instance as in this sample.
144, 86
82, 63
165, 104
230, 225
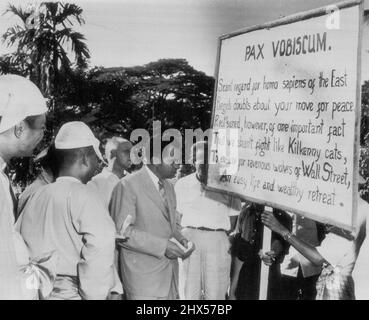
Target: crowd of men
153, 232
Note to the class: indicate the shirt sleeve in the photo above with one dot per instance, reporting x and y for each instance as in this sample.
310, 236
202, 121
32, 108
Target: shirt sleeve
178, 190
9, 275
96, 266
333, 248
123, 204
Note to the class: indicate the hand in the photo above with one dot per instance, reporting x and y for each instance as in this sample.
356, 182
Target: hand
173, 251
184, 242
119, 242
272, 223
189, 252
268, 258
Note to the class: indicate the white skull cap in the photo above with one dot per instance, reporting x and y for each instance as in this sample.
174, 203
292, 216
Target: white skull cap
19, 99
77, 134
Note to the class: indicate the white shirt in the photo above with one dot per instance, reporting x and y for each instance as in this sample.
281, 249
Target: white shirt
14, 253
40, 181
200, 208
5, 183
104, 184
21, 251
68, 218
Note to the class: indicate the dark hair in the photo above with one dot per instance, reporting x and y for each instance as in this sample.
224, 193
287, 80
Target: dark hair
185, 170
50, 161
67, 157
31, 121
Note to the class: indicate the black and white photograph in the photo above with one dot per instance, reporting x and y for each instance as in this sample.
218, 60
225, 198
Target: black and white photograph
198, 150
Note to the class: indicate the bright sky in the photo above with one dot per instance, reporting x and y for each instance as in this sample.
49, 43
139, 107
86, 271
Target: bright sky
134, 32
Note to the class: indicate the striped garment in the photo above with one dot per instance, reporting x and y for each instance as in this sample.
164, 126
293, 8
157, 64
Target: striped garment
335, 285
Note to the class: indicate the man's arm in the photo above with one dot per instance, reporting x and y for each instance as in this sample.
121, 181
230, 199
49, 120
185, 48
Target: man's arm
123, 204
308, 251
95, 268
10, 281
279, 245
236, 268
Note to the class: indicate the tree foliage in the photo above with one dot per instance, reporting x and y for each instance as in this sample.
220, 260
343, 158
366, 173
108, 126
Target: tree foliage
41, 38
119, 100
115, 101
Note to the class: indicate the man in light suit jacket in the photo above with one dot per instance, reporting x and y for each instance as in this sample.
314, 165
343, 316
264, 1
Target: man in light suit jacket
148, 259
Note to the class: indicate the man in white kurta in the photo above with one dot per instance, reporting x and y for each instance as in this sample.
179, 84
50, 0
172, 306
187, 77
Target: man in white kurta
68, 218
22, 124
117, 153
13, 252
206, 221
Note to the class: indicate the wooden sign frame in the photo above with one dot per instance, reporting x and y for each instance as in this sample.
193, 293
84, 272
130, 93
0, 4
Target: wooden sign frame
287, 20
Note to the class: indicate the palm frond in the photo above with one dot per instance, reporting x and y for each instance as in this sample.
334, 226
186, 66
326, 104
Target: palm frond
68, 11
42, 49
18, 11
79, 46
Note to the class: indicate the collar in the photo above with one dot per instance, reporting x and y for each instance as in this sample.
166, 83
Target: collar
198, 179
68, 178
44, 176
2, 164
153, 177
108, 172
196, 182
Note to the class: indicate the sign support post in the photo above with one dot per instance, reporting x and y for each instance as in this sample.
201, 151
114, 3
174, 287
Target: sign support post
264, 271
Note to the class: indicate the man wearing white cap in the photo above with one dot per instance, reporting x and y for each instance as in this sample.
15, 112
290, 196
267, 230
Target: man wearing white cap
22, 124
68, 217
117, 153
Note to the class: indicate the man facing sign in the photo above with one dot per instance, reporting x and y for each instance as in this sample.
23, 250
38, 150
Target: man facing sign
68, 218
149, 266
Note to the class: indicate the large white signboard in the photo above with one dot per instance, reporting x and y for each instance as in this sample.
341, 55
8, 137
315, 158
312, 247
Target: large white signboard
286, 114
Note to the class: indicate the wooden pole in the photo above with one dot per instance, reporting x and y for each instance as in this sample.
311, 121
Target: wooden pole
264, 272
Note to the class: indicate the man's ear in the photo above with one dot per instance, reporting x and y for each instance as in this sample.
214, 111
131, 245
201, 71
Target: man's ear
19, 129
113, 154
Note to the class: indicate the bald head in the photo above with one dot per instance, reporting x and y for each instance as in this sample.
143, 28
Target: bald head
117, 153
